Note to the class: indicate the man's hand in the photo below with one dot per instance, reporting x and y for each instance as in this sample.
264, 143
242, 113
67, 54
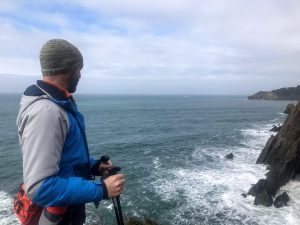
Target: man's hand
115, 185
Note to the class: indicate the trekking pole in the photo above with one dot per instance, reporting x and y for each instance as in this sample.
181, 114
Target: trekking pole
120, 210
116, 200
104, 159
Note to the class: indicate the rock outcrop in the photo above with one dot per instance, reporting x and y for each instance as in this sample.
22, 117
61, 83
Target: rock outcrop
282, 155
291, 93
281, 200
229, 156
275, 128
289, 108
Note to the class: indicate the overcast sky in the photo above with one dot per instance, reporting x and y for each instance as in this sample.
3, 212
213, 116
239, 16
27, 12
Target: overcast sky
157, 47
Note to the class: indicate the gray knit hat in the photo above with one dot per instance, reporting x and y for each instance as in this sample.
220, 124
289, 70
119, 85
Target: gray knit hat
59, 56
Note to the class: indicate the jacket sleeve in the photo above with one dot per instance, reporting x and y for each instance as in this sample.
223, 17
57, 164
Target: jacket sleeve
58, 191
43, 130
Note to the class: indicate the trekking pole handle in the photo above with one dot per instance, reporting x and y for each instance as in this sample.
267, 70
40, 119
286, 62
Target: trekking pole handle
112, 171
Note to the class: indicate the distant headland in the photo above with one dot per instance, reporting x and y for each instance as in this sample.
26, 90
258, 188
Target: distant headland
290, 93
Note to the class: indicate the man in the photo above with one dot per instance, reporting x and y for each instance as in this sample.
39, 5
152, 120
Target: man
57, 168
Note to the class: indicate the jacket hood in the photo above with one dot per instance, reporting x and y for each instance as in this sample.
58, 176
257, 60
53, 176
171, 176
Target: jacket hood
41, 90
27, 101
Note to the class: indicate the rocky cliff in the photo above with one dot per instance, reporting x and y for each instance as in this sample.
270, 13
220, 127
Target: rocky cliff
291, 93
282, 155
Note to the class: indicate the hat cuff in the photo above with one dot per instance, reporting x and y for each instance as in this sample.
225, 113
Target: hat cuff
50, 72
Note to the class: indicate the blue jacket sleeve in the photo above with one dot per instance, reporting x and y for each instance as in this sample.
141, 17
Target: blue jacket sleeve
58, 191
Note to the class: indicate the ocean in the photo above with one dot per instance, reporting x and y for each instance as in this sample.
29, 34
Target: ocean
171, 149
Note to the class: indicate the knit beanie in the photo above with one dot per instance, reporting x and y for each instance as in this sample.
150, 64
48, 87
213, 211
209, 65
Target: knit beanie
59, 56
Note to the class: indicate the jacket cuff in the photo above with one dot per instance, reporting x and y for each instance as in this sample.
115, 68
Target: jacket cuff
105, 192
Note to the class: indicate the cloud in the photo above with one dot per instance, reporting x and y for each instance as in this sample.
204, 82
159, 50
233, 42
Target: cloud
237, 43
8, 6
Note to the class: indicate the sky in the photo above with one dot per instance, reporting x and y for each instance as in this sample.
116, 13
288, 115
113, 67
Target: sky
185, 47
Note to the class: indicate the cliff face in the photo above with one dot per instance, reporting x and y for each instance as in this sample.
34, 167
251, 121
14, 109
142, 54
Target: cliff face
282, 154
292, 93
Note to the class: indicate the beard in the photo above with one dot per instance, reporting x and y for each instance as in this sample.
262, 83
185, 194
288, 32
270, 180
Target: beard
72, 83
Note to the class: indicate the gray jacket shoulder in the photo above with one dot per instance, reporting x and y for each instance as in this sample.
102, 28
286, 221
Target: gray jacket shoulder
31, 106
42, 128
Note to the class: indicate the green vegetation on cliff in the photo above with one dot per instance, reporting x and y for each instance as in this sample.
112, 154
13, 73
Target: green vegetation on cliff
291, 93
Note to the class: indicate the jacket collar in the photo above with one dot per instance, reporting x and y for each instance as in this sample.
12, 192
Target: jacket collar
54, 91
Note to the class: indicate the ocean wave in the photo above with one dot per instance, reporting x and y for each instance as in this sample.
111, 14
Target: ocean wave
212, 195
256, 136
7, 216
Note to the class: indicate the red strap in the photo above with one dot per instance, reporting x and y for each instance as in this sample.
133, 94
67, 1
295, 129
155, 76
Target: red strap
58, 210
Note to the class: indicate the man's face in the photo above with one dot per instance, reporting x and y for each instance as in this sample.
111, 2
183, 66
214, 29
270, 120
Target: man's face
73, 80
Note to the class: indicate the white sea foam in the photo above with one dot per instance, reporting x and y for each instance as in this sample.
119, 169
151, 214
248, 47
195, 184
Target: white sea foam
6, 214
256, 137
213, 195
282, 114
156, 163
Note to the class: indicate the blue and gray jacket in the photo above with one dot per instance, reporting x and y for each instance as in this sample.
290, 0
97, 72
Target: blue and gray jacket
56, 162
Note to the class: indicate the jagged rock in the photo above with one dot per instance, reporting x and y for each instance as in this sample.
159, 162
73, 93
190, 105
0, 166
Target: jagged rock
256, 187
244, 195
289, 108
260, 191
275, 128
137, 221
281, 200
263, 198
265, 150
291, 93
282, 154
229, 156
